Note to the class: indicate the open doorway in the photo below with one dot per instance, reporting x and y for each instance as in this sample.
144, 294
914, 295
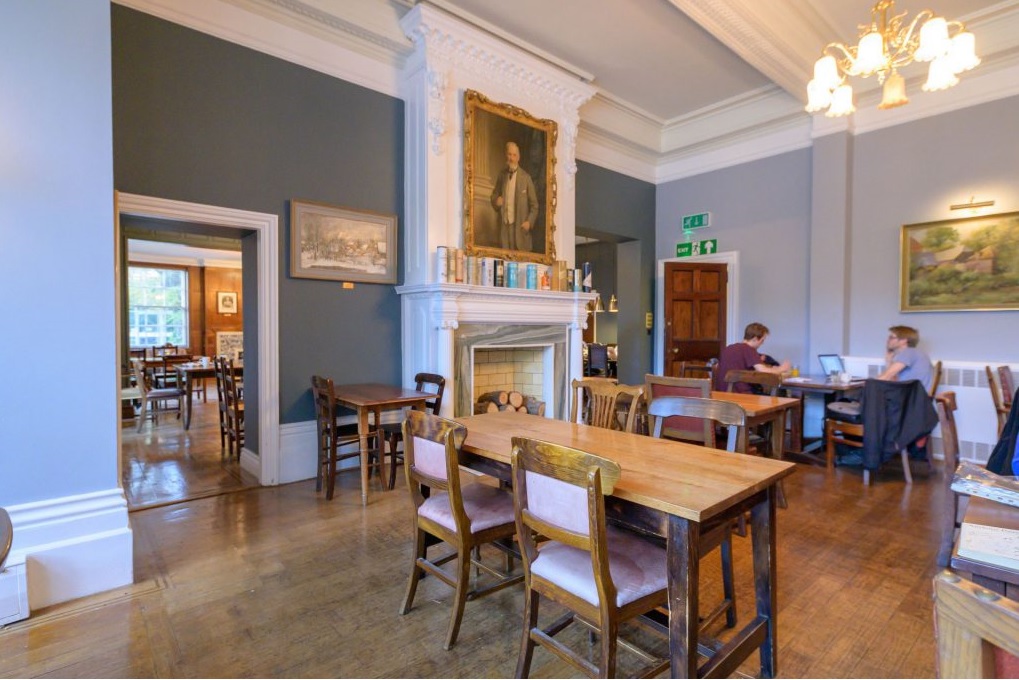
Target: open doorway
260, 456
185, 305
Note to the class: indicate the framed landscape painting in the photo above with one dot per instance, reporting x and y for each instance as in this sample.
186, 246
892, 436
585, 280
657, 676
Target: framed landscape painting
965, 264
509, 182
341, 244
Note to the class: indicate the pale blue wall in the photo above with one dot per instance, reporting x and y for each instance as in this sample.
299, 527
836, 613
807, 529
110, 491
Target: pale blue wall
911, 173
762, 210
58, 401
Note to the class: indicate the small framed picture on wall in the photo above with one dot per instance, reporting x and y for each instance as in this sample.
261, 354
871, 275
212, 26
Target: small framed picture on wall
226, 302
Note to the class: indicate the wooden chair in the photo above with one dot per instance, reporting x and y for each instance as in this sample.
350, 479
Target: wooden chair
234, 410
946, 406
423, 382
733, 417
465, 517
698, 369
153, 400
977, 630
997, 399
936, 372
596, 402
1007, 386
678, 427
6, 537
332, 435
769, 383
162, 350
558, 495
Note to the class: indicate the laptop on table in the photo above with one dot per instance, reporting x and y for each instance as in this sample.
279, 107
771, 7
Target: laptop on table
831, 362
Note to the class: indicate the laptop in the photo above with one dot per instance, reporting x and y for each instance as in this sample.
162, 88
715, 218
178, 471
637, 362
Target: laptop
831, 362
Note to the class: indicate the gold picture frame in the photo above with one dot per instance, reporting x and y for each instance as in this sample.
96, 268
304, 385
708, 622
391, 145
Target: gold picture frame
964, 264
341, 244
489, 130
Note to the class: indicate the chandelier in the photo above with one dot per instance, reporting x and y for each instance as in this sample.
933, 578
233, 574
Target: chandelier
887, 44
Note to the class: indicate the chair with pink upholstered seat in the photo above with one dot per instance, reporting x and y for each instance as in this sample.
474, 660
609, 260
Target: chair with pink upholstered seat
601, 575
466, 516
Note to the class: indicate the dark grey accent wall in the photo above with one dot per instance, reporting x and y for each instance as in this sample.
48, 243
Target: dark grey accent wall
614, 204
199, 119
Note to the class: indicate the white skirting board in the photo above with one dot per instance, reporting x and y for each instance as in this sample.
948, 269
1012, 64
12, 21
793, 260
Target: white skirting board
69, 547
297, 447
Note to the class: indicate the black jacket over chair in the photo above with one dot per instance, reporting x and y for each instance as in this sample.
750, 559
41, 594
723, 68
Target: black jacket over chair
895, 414
1000, 461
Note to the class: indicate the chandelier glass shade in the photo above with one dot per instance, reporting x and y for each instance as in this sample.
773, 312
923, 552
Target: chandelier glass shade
887, 44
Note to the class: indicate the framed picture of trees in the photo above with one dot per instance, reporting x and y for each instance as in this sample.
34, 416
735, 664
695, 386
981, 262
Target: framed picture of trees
341, 244
966, 264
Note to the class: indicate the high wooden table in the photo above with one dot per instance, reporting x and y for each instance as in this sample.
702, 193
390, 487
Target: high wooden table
367, 398
676, 491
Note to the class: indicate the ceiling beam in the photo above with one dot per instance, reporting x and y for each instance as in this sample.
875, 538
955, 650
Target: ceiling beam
781, 40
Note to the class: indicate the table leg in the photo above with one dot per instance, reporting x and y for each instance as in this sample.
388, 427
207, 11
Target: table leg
362, 436
185, 382
778, 449
683, 569
762, 523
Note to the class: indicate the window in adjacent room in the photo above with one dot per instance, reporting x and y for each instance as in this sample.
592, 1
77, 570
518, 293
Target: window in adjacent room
157, 306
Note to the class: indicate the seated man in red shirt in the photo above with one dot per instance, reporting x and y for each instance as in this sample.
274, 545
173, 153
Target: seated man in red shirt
745, 356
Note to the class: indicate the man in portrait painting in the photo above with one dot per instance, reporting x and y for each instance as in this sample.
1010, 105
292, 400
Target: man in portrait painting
515, 202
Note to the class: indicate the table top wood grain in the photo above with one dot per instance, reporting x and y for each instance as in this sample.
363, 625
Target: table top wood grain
685, 480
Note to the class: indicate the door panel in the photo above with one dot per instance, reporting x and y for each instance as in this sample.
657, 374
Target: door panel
695, 311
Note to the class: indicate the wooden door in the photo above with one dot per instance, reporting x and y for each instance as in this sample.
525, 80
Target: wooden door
695, 310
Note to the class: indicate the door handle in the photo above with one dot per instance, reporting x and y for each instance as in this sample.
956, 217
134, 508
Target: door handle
675, 350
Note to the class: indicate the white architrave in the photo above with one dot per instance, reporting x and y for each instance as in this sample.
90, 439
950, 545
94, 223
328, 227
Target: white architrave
265, 465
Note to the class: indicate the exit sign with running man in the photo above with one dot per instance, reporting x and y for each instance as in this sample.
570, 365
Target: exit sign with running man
698, 221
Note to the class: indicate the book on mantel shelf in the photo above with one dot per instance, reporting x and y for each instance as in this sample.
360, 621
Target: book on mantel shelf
990, 534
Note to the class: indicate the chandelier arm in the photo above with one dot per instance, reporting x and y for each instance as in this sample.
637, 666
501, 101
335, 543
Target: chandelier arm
844, 57
907, 40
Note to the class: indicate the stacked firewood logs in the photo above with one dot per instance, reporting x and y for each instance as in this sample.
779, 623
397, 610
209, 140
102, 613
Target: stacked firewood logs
502, 400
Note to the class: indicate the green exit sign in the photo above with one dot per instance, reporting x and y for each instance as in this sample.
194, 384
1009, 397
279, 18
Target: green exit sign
698, 221
692, 248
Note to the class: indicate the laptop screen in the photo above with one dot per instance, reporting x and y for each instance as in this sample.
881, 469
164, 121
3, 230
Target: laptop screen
831, 362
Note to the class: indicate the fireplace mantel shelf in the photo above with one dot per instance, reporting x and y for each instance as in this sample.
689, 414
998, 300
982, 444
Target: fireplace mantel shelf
453, 303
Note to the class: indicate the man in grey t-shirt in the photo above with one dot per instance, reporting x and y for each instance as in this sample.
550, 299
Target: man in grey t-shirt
903, 360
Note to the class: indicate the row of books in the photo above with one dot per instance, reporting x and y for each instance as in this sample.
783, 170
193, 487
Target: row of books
454, 265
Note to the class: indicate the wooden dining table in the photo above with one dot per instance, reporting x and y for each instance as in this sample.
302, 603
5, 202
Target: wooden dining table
373, 398
188, 373
676, 491
801, 387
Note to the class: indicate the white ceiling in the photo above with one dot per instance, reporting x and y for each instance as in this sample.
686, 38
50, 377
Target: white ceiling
159, 252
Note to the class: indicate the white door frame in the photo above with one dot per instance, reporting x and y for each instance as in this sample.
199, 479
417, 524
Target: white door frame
729, 258
265, 465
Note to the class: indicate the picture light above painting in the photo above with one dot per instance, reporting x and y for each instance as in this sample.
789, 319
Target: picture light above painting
509, 182
969, 264
341, 244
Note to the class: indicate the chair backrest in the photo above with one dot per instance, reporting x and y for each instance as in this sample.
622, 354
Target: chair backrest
698, 369
768, 382
597, 358
999, 404
323, 396
969, 623
422, 383
596, 402
946, 405
230, 392
219, 369
1007, 386
558, 493
140, 376
432, 459
162, 350
676, 427
6, 537
709, 410
935, 378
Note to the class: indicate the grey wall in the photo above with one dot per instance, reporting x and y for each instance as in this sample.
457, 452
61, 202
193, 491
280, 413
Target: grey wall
57, 260
202, 120
911, 173
613, 205
762, 210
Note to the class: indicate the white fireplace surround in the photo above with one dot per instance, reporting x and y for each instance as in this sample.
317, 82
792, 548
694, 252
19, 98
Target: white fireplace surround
433, 312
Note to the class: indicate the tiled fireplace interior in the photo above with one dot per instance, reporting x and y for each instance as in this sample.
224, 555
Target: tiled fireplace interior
521, 369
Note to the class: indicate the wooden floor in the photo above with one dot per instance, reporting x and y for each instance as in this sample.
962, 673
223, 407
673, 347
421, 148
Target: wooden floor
165, 464
275, 582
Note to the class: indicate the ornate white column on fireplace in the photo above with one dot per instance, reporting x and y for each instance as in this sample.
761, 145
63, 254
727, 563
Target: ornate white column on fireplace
450, 57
